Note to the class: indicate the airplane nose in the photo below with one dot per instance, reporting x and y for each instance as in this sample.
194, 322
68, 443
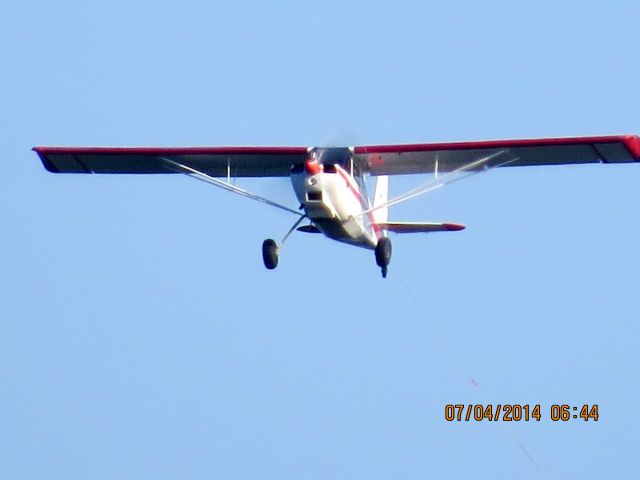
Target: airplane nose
312, 166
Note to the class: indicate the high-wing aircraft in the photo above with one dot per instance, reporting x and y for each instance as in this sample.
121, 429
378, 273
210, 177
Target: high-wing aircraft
330, 183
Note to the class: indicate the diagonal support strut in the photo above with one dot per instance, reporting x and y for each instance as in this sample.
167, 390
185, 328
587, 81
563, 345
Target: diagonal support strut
192, 172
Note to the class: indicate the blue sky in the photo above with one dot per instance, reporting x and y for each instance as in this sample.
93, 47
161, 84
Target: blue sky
140, 335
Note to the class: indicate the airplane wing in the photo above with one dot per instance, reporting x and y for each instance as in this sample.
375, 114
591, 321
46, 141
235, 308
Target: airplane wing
447, 157
213, 161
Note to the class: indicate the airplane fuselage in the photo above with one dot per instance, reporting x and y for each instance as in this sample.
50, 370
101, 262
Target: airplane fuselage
334, 201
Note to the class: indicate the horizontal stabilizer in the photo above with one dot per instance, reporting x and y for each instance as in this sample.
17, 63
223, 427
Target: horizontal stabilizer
420, 227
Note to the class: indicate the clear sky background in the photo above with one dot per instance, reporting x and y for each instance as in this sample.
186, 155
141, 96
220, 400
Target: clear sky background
141, 336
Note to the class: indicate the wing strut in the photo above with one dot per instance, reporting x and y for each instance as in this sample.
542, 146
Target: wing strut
192, 172
477, 166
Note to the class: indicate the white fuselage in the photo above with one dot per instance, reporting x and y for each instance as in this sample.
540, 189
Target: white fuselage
334, 202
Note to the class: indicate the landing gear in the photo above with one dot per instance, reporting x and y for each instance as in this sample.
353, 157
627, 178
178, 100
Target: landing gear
270, 253
270, 249
383, 255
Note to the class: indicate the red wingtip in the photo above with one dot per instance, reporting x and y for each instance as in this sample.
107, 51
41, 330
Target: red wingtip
632, 142
454, 227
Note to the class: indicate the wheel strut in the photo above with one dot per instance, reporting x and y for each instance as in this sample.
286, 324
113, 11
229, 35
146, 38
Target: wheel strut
271, 249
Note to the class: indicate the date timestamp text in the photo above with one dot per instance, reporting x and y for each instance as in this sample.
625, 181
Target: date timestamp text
516, 412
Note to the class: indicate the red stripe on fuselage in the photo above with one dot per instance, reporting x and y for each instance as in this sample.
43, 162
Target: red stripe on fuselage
364, 204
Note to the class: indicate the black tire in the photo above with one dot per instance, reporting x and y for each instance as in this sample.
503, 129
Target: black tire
270, 253
383, 252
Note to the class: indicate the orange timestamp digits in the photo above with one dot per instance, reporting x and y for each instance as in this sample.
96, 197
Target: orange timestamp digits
493, 413
566, 412
516, 412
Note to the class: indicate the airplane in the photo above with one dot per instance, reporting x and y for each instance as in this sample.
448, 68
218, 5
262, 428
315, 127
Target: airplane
330, 183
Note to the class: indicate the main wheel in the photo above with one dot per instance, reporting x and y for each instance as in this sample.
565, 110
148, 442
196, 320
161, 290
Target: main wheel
383, 254
270, 253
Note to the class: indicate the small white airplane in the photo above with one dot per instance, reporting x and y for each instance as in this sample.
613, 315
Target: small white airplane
330, 183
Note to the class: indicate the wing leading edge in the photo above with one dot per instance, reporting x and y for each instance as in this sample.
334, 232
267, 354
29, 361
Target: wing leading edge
376, 160
447, 157
214, 161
